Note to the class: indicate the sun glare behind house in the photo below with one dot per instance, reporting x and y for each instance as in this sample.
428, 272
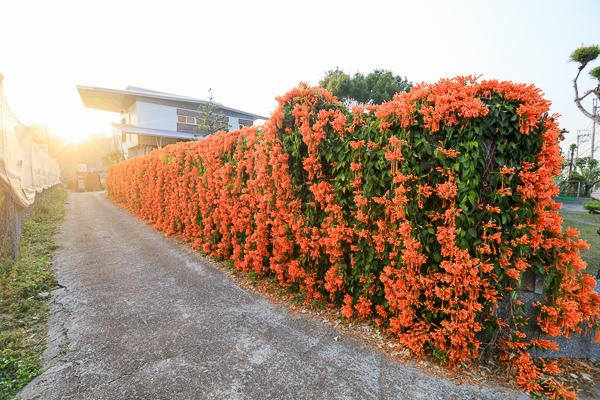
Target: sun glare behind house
72, 137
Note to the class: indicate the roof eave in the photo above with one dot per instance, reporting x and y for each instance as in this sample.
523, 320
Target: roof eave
112, 104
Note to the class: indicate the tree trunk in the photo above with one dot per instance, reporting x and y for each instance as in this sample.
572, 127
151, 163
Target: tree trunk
596, 91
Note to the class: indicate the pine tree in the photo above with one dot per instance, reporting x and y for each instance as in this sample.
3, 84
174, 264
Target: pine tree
583, 56
211, 118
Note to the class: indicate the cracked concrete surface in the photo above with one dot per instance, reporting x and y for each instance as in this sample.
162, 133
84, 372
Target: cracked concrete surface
138, 318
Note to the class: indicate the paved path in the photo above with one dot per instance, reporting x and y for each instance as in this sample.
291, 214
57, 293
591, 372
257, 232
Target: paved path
573, 207
139, 319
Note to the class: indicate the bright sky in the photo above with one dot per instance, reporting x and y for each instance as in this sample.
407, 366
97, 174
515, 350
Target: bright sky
248, 52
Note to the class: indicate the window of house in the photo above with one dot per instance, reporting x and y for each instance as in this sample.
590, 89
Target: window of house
187, 120
199, 121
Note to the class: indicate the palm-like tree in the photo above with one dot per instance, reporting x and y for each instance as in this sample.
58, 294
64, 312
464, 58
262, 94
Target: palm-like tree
573, 147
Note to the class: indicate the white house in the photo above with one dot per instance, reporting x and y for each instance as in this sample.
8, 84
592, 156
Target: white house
151, 119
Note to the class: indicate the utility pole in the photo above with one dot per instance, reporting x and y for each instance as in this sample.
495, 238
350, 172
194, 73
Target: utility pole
581, 139
594, 127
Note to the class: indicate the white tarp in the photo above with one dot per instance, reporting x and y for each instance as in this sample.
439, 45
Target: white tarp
25, 167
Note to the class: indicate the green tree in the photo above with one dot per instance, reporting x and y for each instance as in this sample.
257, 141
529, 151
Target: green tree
375, 88
589, 175
583, 56
212, 119
113, 157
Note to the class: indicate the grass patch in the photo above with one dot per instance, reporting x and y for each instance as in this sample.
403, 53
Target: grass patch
22, 312
593, 205
587, 224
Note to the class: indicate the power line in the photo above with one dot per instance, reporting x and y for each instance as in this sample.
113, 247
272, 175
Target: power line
585, 138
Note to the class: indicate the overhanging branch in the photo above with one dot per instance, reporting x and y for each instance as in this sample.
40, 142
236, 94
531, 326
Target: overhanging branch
591, 116
585, 95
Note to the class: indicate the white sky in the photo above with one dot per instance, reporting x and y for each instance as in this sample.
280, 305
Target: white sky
248, 52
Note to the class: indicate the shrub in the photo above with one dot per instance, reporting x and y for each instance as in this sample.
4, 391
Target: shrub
423, 211
592, 206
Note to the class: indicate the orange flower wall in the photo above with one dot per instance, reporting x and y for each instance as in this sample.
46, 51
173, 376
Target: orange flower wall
423, 212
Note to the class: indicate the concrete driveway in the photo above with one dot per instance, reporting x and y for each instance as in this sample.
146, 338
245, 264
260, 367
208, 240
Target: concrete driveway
573, 205
142, 318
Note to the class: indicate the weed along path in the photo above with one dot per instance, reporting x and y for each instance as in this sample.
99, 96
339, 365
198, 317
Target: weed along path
140, 317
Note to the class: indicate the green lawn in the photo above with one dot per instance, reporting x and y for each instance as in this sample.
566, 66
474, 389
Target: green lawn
587, 224
22, 312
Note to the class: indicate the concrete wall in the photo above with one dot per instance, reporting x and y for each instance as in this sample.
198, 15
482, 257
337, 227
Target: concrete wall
155, 116
234, 122
578, 346
131, 140
129, 117
154, 141
133, 120
166, 111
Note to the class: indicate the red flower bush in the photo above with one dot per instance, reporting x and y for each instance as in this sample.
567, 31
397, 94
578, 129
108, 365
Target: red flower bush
423, 212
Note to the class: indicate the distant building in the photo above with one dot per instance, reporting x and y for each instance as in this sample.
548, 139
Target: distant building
151, 119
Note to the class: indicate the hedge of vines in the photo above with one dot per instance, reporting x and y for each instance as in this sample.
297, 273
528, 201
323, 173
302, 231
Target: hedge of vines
423, 212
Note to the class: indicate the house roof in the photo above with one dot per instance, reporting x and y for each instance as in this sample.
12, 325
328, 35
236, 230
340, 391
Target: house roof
153, 93
120, 100
124, 128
